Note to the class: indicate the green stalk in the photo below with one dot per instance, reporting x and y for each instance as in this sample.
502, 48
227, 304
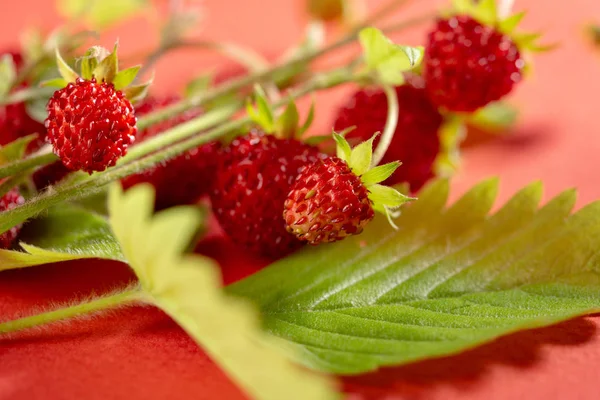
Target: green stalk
35, 160
390, 125
264, 75
95, 305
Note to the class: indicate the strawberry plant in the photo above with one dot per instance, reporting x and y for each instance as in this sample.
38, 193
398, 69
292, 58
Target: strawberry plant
127, 178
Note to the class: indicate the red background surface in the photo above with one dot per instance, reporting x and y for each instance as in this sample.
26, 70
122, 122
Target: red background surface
140, 353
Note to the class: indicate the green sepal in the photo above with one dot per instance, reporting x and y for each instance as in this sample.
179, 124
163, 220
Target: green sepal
56, 82
8, 73
125, 77
107, 68
261, 114
387, 196
451, 133
509, 25
495, 117
309, 120
361, 156
287, 123
90, 60
15, 150
379, 173
137, 92
386, 59
343, 150
64, 69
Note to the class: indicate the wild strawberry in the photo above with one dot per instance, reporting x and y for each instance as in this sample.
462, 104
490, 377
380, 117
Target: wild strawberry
9, 201
416, 141
91, 121
251, 186
473, 57
337, 197
184, 179
90, 125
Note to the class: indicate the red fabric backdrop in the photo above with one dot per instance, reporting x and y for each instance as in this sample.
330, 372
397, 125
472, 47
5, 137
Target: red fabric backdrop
140, 353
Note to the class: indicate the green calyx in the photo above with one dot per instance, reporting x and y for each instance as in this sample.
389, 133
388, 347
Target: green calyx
385, 61
103, 65
486, 13
385, 199
286, 125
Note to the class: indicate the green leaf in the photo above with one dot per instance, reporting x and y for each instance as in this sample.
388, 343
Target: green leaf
379, 173
449, 279
65, 233
287, 123
360, 157
8, 73
15, 150
188, 289
386, 58
100, 14
64, 69
343, 150
37, 110
125, 77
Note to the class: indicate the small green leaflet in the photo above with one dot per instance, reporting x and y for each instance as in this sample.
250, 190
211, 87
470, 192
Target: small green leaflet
188, 289
65, 233
387, 59
449, 279
100, 14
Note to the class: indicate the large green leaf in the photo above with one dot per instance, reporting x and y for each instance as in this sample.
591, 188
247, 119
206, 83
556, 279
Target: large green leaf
449, 279
65, 233
188, 288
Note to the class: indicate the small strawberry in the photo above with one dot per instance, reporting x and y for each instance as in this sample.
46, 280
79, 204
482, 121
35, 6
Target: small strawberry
250, 188
416, 140
184, 179
472, 59
9, 201
337, 197
91, 122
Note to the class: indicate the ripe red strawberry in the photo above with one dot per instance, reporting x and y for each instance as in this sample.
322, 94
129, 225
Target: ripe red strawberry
327, 203
9, 201
90, 125
467, 64
337, 197
250, 188
416, 141
184, 179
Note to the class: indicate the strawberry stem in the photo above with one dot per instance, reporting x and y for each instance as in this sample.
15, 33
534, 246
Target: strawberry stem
390, 125
98, 304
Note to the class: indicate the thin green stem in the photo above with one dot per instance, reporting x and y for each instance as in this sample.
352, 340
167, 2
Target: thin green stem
35, 160
390, 125
30, 93
265, 75
95, 305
